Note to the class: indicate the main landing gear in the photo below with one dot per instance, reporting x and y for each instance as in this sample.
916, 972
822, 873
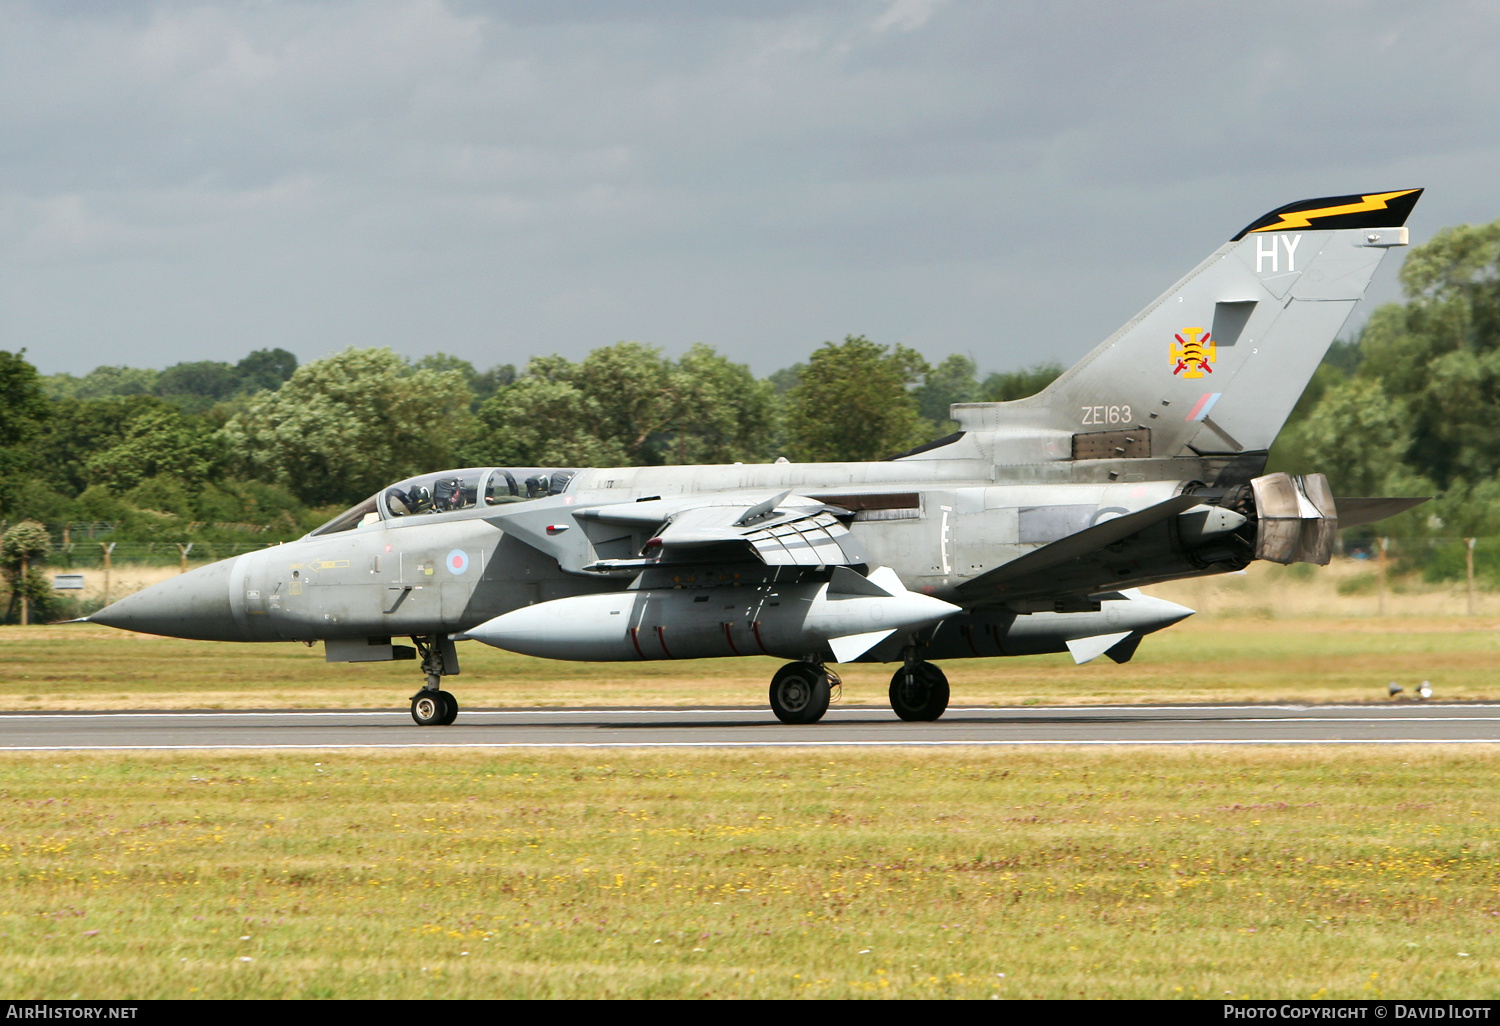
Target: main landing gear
800, 692
432, 706
919, 691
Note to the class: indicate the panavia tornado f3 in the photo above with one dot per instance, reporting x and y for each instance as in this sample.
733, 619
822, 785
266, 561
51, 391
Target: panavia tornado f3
1028, 530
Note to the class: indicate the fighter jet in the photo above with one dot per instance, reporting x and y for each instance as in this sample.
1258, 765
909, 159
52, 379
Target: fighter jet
1028, 530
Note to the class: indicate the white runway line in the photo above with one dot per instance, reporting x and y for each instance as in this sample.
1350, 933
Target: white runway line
400, 713
1428, 713
1355, 719
755, 744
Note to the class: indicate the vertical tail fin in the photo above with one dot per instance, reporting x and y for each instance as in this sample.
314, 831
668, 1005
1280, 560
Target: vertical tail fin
1216, 363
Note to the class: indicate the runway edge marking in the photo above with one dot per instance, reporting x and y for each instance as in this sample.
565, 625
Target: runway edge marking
754, 744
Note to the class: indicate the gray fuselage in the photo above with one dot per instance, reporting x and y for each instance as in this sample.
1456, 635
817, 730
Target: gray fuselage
937, 523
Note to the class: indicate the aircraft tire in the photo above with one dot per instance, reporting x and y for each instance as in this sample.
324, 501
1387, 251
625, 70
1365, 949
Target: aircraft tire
799, 693
432, 709
452, 713
925, 698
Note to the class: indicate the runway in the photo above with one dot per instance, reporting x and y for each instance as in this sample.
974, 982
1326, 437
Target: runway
1476, 723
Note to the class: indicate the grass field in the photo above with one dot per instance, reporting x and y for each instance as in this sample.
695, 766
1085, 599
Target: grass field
1267, 872
1264, 872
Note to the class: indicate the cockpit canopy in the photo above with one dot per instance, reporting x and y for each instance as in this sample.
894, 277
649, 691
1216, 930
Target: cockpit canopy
450, 490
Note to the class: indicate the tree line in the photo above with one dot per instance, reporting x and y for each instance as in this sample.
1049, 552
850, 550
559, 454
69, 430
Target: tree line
213, 452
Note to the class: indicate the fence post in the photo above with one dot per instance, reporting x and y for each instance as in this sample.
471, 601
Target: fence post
108, 547
25, 601
1383, 543
1469, 569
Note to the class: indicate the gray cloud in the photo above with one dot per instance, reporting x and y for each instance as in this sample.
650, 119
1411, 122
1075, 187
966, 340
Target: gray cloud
187, 181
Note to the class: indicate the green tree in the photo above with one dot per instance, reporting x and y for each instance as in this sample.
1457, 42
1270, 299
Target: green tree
952, 381
344, 426
854, 401
24, 413
1457, 260
22, 550
612, 408
626, 404
120, 441
59, 386
542, 421
638, 394
83, 428
617, 406
265, 370
211, 379
27, 541
196, 386
1357, 436
104, 382
487, 383
443, 363
166, 495
256, 503
158, 441
97, 503
784, 380
481, 384
725, 414
1008, 386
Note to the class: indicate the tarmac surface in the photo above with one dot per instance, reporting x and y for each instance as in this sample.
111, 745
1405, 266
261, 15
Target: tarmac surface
857, 726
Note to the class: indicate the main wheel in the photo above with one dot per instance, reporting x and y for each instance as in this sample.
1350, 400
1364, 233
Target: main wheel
431, 709
920, 693
799, 693
452, 713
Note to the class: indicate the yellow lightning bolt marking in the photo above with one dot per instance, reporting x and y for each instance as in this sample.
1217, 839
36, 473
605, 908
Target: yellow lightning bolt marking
1302, 218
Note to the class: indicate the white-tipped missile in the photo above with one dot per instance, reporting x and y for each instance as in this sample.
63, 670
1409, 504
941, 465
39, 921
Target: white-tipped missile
843, 617
1114, 629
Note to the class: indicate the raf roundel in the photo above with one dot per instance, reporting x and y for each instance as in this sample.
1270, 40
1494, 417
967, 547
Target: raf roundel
458, 561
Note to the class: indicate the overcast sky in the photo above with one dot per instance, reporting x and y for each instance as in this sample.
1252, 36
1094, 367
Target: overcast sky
186, 181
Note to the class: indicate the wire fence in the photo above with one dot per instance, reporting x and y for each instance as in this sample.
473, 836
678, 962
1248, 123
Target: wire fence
83, 555
89, 530
81, 544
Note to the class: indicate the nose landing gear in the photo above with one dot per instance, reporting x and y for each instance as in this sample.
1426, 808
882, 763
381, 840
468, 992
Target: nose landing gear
432, 706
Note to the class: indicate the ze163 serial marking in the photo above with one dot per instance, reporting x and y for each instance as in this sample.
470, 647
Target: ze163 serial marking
1106, 415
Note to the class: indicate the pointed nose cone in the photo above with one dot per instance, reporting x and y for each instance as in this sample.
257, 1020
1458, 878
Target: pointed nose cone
921, 610
192, 605
539, 631
1147, 613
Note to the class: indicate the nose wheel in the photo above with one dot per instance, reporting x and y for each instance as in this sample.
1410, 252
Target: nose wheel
434, 708
800, 693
